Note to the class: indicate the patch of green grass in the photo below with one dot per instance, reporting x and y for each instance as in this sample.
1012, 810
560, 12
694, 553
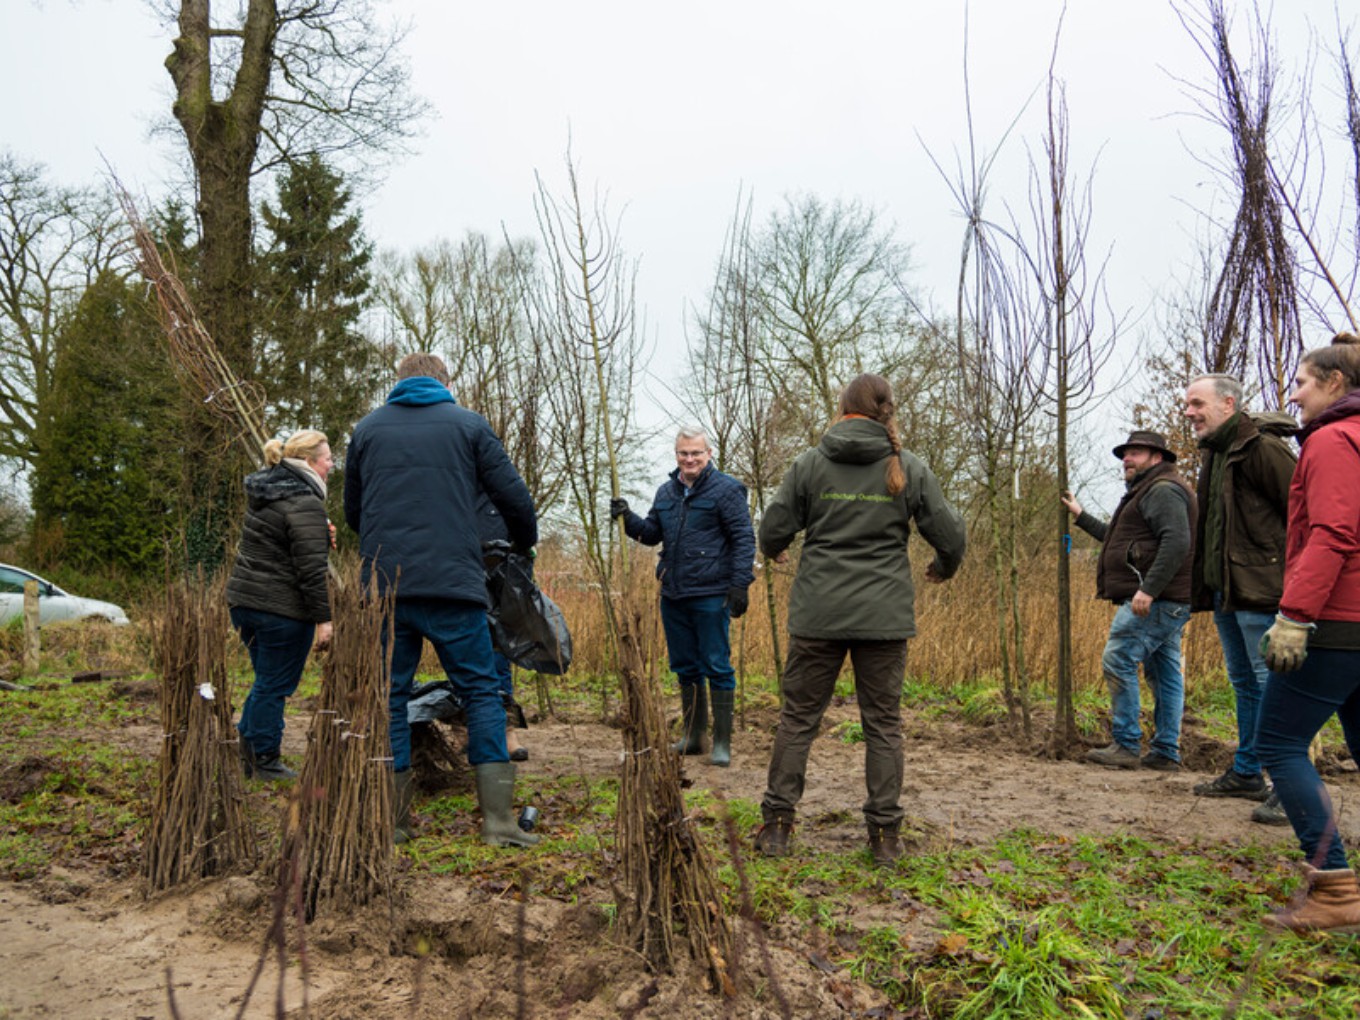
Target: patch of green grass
851, 731
1037, 926
23, 855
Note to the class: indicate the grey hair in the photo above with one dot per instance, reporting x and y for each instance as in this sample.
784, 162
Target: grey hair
1224, 386
694, 432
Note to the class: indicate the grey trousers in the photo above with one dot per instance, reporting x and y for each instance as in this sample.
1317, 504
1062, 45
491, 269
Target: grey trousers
809, 682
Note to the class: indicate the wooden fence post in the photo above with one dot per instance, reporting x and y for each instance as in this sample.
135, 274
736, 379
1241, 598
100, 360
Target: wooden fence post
32, 643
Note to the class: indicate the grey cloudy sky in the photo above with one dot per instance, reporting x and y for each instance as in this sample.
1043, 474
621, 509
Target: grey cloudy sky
670, 108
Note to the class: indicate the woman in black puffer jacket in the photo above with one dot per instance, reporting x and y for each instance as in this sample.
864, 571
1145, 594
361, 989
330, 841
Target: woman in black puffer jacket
277, 592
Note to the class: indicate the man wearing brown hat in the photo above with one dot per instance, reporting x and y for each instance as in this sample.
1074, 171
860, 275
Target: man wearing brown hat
1144, 568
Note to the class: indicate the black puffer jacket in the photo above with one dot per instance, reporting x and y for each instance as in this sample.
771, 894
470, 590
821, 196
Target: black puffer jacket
281, 563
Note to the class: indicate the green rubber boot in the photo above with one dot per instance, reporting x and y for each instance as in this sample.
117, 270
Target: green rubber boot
403, 792
694, 706
496, 796
723, 702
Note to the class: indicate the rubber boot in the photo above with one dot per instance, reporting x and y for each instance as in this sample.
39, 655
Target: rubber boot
496, 797
722, 727
773, 838
270, 767
694, 704
247, 756
403, 793
885, 844
1333, 904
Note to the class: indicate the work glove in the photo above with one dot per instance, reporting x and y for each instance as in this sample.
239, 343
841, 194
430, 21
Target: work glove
617, 507
1285, 645
737, 602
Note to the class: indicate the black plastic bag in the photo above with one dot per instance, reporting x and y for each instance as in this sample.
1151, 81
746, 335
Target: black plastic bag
527, 627
434, 701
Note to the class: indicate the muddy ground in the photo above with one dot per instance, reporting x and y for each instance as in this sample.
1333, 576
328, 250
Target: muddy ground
80, 943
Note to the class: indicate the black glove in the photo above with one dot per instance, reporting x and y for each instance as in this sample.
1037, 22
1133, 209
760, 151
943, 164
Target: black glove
617, 507
737, 602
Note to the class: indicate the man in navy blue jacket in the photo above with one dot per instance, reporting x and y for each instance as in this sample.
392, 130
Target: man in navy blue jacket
414, 472
700, 518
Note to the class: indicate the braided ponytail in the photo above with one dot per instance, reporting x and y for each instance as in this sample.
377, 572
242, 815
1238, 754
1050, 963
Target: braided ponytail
870, 396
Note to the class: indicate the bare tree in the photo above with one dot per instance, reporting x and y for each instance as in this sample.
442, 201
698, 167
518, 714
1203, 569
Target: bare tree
54, 242
415, 294
1079, 335
1253, 325
997, 352
588, 315
830, 279
472, 304
261, 82
732, 396
587, 319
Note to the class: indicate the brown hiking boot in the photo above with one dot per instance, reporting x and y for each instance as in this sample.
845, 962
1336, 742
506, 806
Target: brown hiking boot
885, 844
773, 838
1333, 904
1115, 756
1159, 762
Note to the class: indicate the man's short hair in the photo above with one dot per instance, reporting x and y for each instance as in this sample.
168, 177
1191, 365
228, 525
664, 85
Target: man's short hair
422, 363
694, 432
1224, 386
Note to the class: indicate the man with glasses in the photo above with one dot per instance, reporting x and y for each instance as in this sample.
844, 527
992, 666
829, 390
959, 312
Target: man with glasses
701, 520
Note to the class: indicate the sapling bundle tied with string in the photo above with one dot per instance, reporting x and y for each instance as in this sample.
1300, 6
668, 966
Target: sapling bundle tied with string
198, 823
339, 829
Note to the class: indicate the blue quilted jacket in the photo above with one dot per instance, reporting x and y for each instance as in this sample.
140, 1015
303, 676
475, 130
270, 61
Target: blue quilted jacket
707, 542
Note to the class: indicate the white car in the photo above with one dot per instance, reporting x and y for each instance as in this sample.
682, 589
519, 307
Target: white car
53, 603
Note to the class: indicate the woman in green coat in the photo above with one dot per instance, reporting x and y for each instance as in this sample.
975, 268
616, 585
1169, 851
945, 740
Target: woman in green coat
855, 497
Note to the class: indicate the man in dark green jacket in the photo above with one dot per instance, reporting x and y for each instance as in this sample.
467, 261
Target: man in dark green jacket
855, 497
1245, 470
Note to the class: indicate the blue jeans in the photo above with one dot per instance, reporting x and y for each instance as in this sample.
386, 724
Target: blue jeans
505, 677
696, 638
1240, 633
462, 640
278, 647
1295, 707
1155, 641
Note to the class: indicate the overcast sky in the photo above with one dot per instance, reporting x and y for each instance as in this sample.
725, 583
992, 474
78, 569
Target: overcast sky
671, 108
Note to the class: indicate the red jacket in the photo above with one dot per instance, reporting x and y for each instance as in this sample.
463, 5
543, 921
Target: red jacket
1322, 543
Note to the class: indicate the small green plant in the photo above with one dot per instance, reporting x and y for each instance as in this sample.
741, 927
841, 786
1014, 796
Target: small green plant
851, 731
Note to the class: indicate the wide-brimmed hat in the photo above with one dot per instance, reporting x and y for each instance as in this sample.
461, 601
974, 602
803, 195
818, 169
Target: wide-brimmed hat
1151, 440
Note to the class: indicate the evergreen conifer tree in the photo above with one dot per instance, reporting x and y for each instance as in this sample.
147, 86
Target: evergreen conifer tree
316, 365
107, 477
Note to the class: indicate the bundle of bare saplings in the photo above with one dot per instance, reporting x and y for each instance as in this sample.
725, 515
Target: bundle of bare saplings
338, 839
198, 823
673, 896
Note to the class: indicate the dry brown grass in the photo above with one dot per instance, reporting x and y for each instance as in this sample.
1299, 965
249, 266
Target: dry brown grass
957, 636
956, 641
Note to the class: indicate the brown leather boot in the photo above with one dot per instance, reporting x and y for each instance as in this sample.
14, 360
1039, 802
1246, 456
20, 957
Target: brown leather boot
773, 838
1333, 904
885, 844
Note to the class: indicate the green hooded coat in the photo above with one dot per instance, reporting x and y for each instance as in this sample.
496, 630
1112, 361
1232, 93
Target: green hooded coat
854, 579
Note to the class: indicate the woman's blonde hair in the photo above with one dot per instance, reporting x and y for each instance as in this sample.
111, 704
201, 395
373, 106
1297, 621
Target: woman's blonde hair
870, 395
301, 445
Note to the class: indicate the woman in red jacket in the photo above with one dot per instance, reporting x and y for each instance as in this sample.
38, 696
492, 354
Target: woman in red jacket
1313, 648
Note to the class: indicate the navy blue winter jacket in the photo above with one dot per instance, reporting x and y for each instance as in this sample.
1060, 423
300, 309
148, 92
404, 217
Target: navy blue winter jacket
414, 470
707, 543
